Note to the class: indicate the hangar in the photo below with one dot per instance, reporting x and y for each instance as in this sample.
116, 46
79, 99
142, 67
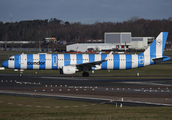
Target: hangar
113, 40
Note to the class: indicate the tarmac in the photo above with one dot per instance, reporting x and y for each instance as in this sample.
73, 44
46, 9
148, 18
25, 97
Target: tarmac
137, 92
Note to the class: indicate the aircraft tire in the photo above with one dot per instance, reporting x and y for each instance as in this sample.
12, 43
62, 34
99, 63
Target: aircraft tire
85, 74
20, 75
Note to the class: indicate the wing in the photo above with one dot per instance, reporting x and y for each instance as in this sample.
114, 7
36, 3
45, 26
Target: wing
89, 65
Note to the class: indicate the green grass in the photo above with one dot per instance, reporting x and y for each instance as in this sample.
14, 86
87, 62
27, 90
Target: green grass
89, 112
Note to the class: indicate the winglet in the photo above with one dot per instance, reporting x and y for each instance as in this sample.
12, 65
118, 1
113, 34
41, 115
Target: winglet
108, 56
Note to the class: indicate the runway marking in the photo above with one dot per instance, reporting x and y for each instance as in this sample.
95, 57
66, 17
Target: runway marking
38, 106
47, 107
65, 78
18, 82
90, 88
148, 83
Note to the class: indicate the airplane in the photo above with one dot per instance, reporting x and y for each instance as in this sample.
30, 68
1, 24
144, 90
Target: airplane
72, 63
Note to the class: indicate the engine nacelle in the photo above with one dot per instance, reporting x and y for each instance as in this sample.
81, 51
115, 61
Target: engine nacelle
68, 70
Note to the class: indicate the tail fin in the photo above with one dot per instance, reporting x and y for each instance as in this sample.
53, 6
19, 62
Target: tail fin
156, 49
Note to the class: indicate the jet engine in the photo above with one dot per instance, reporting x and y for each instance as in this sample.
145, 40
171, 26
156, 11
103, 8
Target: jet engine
68, 70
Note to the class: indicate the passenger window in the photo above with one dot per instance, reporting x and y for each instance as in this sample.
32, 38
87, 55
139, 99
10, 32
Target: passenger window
11, 58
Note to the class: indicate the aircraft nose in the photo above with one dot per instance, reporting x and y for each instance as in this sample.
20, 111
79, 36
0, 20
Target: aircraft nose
5, 64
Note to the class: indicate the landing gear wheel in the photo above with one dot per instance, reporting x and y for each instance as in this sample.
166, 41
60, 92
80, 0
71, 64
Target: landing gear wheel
20, 74
85, 74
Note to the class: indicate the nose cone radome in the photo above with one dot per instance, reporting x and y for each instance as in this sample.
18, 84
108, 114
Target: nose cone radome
5, 64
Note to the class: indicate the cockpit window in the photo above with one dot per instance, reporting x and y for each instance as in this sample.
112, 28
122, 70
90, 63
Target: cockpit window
11, 58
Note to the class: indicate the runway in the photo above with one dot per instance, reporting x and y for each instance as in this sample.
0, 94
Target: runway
138, 92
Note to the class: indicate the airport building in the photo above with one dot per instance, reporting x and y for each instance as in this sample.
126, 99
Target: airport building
113, 40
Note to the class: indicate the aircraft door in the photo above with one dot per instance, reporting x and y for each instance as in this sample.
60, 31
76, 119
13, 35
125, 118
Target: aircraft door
54, 60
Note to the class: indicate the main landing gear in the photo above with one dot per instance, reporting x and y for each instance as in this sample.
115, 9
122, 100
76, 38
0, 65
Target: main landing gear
85, 74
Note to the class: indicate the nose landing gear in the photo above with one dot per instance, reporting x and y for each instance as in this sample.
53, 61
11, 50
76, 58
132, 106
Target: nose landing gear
21, 73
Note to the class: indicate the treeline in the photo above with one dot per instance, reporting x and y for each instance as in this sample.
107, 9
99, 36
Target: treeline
37, 30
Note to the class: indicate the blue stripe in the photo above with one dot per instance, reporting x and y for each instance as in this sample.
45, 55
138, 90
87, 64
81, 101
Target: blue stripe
66, 59
153, 48
16, 62
128, 61
91, 57
29, 60
104, 64
54, 61
42, 61
79, 58
116, 62
141, 60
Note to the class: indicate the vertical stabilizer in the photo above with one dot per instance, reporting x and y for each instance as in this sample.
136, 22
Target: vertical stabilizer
156, 49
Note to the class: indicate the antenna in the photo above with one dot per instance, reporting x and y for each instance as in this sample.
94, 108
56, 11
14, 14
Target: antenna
11, 17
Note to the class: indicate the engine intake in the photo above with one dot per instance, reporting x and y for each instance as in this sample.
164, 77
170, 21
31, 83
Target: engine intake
68, 70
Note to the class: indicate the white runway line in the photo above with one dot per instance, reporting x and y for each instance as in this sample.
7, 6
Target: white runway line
38, 106
75, 106
10, 103
148, 83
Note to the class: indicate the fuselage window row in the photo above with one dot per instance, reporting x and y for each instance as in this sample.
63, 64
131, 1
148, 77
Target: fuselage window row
80, 59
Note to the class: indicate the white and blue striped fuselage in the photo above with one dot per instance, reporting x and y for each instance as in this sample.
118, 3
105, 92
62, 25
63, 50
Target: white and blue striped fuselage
57, 61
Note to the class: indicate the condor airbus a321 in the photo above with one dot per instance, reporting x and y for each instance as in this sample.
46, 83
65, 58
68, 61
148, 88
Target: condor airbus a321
72, 63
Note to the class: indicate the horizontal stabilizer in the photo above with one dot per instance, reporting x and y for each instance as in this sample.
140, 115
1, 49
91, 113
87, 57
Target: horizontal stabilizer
159, 60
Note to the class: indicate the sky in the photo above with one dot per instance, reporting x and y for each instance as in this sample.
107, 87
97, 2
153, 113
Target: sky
84, 11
